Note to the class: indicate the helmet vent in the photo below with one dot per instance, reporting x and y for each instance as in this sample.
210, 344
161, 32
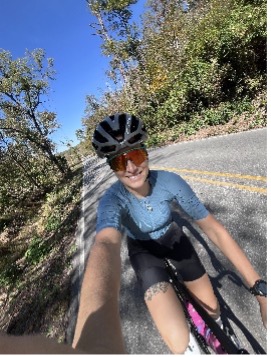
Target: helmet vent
116, 132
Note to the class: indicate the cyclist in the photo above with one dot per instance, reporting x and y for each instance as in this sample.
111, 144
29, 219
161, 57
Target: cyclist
139, 204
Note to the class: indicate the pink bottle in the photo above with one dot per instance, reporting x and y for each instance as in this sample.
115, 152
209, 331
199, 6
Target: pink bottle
204, 330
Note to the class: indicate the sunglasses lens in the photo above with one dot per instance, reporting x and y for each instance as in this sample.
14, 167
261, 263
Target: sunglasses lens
119, 162
116, 163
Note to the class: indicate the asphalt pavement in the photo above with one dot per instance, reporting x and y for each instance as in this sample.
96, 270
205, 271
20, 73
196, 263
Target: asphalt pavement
228, 173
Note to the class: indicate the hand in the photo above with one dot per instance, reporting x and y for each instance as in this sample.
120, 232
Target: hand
263, 308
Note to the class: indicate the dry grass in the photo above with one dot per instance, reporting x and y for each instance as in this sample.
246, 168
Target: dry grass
36, 269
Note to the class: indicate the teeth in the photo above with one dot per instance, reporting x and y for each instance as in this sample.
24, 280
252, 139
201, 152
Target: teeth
133, 177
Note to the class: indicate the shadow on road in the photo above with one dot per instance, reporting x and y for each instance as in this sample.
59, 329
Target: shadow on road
220, 273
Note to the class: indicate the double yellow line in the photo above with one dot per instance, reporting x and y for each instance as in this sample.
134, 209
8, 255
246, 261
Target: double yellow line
186, 172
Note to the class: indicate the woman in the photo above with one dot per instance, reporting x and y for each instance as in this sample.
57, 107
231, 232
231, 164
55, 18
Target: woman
139, 205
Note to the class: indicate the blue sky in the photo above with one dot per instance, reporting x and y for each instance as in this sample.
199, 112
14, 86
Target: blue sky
61, 28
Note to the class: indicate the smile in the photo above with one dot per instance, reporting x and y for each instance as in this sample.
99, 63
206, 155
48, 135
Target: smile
134, 177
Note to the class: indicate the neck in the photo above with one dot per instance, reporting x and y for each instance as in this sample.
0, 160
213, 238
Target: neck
141, 192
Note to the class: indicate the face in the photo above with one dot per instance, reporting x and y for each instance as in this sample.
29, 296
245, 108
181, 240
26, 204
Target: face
131, 168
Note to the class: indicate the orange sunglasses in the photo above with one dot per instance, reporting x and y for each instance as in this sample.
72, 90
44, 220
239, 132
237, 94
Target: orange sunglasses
119, 162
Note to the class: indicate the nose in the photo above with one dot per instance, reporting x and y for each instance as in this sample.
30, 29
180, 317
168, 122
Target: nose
130, 166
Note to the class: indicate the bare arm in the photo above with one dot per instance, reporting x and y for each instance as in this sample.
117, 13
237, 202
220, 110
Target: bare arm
98, 328
223, 240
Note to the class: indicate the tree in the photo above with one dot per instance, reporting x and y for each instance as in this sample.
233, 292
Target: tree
29, 167
23, 89
191, 61
120, 37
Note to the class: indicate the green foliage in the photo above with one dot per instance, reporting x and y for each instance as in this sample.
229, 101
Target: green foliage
24, 84
36, 262
52, 224
9, 274
29, 166
250, 114
186, 64
44, 231
120, 38
37, 250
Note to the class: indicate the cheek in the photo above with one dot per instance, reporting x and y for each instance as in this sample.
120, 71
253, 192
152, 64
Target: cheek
145, 165
119, 174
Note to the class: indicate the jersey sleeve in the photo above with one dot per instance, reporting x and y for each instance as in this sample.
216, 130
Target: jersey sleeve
186, 197
109, 213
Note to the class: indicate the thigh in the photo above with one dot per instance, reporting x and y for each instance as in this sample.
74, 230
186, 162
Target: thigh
202, 290
150, 270
168, 316
160, 297
186, 260
194, 276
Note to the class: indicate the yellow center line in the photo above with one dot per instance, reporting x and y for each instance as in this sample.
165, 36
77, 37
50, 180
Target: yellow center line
222, 174
219, 183
222, 183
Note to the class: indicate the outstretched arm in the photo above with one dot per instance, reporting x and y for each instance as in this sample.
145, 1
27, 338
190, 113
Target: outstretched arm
228, 246
98, 328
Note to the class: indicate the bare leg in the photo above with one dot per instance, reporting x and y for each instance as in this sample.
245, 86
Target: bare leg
168, 316
201, 289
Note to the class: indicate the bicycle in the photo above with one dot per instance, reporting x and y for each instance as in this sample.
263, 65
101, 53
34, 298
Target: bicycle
226, 341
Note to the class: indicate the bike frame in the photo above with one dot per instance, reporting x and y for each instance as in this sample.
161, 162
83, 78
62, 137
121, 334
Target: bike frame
184, 295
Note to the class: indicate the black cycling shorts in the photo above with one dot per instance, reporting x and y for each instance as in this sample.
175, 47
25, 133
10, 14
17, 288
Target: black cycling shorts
147, 257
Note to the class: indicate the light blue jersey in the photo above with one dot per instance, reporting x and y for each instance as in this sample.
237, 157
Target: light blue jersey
151, 216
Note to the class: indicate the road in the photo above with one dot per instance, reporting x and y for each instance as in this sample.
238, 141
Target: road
228, 173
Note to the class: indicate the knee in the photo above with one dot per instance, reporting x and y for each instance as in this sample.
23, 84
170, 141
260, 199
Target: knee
178, 341
214, 310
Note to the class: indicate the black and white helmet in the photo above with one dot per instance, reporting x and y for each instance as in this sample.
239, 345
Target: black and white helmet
116, 132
